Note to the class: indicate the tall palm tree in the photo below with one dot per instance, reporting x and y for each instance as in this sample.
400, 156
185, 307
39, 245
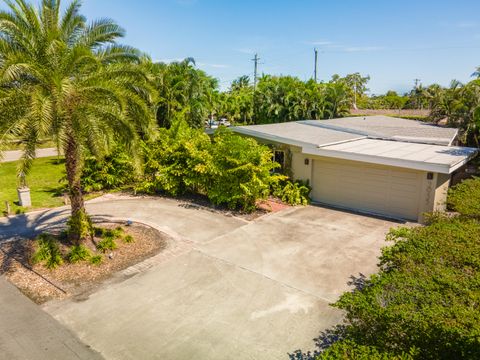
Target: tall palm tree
64, 78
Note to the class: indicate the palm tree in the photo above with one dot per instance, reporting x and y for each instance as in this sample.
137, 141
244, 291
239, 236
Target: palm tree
63, 78
476, 73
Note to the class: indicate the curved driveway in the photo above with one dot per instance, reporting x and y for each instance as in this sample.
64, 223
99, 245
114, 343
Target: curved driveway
241, 290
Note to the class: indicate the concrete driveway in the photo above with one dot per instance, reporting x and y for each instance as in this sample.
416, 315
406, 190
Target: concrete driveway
243, 290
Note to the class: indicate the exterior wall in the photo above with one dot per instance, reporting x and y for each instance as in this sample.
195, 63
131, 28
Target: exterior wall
433, 195
443, 183
300, 170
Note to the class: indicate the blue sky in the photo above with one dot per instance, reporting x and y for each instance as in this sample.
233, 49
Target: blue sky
392, 41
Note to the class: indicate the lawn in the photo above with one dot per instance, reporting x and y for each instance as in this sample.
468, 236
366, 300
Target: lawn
43, 180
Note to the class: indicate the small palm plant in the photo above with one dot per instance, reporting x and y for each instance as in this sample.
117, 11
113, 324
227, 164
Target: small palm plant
64, 78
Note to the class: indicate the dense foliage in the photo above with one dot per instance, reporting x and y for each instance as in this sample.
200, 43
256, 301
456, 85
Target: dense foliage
240, 172
177, 162
113, 171
425, 301
182, 88
465, 197
230, 170
284, 98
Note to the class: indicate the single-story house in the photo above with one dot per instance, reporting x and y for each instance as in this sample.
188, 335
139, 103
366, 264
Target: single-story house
376, 164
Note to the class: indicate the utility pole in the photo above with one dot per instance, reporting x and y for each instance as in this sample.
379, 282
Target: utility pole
355, 94
417, 81
255, 60
315, 69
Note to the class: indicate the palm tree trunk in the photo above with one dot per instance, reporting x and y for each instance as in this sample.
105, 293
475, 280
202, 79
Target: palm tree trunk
78, 223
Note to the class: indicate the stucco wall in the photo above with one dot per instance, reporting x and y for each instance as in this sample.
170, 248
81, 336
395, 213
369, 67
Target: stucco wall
443, 183
300, 170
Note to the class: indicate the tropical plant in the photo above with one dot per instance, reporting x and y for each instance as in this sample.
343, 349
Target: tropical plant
292, 192
240, 172
48, 251
182, 88
112, 171
78, 253
177, 162
68, 80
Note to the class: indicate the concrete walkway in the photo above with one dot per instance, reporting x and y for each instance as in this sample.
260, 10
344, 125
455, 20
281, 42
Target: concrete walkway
239, 290
27, 332
14, 155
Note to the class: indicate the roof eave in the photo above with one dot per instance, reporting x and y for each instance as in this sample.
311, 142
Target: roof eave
409, 164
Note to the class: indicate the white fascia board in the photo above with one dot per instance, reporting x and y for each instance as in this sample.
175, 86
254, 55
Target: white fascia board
464, 161
409, 164
274, 138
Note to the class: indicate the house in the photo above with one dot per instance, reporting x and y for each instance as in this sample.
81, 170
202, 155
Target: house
381, 165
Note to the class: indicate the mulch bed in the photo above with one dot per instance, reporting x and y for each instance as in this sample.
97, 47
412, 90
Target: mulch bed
41, 284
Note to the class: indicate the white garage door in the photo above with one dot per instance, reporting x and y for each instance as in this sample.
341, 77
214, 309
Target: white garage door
372, 188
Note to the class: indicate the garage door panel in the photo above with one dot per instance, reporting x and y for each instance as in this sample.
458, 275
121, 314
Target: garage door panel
367, 187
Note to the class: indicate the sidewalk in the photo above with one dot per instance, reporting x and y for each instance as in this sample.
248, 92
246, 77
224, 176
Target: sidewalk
27, 332
14, 155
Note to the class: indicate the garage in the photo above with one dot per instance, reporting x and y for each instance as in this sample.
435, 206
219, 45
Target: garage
375, 164
377, 189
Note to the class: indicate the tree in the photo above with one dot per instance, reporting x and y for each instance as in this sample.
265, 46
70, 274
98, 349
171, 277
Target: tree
66, 79
240, 83
182, 88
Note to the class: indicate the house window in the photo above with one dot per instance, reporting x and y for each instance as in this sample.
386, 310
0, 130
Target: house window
279, 157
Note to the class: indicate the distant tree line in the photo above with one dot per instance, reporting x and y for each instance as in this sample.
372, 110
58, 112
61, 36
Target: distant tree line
184, 89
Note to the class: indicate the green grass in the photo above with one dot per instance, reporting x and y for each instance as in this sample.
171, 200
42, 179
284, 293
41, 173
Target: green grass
43, 180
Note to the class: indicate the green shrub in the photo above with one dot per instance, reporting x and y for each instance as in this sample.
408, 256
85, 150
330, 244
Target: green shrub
128, 239
177, 161
78, 253
233, 170
240, 172
48, 251
115, 170
345, 350
426, 295
465, 197
96, 260
108, 243
292, 193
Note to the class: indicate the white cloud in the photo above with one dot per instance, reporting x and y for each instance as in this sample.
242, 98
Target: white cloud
362, 48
